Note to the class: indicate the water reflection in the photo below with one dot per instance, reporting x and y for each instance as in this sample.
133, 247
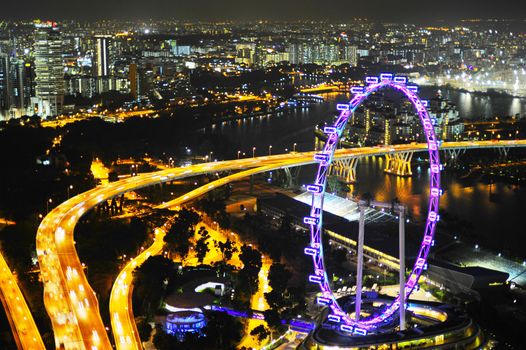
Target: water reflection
495, 219
516, 107
472, 106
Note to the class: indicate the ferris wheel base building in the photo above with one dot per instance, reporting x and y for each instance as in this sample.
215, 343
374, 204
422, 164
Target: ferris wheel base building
430, 326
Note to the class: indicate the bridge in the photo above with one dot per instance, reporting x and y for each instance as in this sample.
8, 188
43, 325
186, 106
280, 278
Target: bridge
325, 87
398, 158
23, 327
69, 299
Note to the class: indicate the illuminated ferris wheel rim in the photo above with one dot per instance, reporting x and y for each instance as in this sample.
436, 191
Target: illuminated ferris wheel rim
334, 132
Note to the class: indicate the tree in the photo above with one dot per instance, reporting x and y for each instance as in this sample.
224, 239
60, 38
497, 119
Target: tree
189, 218
144, 328
113, 176
251, 258
222, 331
201, 249
278, 277
335, 185
247, 277
252, 262
273, 320
181, 231
177, 243
214, 205
261, 332
149, 282
227, 249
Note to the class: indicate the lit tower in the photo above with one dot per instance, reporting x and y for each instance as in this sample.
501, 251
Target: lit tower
5, 86
102, 60
367, 123
49, 70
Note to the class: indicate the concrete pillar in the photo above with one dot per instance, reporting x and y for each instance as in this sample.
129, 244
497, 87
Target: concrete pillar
359, 272
399, 163
401, 254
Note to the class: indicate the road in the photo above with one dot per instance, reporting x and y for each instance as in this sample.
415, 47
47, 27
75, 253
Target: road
69, 299
122, 320
259, 303
25, 331
116, 116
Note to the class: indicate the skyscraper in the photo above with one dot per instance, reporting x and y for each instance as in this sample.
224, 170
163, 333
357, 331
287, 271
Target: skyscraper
12, 87
134, 82
102, 61
49, 70
102, 56
5, 86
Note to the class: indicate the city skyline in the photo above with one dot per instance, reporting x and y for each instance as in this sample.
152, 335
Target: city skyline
411, 11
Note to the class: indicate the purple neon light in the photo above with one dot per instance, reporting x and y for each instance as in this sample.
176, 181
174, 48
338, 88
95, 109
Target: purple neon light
316, 226
334, 318
315, 188
372, 80
357, 90
309, 220
324, 301
386, 76
315, 279
330, 130
322, 157
347, 328
413, 89
400, 80
310, 251
360, 331
343, 107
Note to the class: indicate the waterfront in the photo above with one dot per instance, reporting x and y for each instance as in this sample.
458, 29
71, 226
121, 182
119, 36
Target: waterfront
469, 201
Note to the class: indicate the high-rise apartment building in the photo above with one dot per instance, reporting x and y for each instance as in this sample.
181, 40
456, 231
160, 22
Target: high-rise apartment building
5, 86
103, 53
12, 87
134, 80
103, 63
322, 53
245, 53
49, 70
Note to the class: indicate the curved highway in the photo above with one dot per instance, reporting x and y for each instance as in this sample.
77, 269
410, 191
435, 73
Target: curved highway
69, 299
23, 326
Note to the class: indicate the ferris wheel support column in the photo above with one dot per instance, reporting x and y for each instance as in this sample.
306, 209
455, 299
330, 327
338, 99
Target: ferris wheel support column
401, 229
359, 272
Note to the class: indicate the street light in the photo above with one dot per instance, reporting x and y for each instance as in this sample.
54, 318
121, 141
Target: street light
270, 150
238, 153
49, 201
70, 187
253, 152
294, 147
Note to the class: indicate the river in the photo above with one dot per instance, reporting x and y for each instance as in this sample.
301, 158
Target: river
498, 224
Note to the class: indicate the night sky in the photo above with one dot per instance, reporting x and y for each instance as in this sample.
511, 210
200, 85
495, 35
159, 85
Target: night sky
400, 10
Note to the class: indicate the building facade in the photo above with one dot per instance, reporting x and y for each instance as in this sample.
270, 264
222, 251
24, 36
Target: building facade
49, 71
